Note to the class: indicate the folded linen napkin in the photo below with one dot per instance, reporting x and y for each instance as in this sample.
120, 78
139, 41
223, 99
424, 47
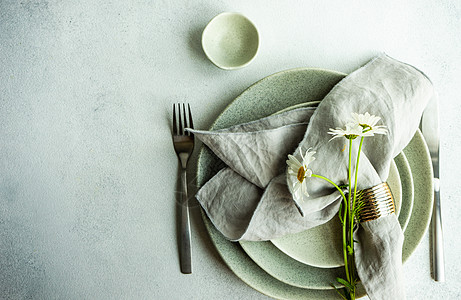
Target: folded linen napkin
250, 200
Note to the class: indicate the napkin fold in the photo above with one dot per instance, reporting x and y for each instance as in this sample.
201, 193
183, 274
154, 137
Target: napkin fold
250, 200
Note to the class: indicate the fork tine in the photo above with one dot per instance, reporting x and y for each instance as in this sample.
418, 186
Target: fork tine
181, 129
185, 118
191, 124
175, 129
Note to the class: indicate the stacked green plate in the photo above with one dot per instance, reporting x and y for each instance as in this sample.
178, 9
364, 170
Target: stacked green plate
295, 279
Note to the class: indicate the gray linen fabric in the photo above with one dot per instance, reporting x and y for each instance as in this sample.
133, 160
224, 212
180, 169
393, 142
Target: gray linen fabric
250, 200
378, 258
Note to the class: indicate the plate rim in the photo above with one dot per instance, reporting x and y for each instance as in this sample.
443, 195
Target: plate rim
297, 264
297, 257
284, 290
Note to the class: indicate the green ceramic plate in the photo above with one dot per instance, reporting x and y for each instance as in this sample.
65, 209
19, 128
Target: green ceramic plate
322, 246
273, 94
286, 269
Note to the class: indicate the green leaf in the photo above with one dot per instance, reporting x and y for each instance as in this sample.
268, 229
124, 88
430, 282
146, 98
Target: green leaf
350, 250
345, 283
340, 213
339, 292
358, 207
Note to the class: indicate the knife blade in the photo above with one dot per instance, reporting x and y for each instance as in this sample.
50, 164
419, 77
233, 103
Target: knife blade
431, 132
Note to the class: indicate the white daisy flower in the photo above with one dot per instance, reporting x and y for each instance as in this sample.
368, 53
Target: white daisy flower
351, 131
368, 123
298, 172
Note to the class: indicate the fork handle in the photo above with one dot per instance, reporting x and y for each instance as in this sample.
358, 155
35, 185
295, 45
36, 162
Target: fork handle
185, 245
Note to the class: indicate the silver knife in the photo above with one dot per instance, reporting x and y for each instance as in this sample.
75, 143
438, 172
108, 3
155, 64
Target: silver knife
431, 132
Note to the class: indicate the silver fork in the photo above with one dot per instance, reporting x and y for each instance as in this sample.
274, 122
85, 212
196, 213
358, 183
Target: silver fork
183, 142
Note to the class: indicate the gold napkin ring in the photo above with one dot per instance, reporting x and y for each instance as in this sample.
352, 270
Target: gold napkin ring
378, 202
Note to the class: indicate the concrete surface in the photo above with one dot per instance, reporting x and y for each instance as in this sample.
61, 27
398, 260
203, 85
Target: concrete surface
87, 169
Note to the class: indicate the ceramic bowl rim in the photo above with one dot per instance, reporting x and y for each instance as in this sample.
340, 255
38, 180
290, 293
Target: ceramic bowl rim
209, 56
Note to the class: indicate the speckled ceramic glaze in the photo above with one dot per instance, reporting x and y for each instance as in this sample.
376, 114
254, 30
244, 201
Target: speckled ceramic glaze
321, 246
288, 270
230, 41
264, 98
406, 181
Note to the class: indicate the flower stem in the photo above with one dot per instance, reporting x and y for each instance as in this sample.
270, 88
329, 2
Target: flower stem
334, 184
356, 172
353, 205
346, 267
351, 271
349, 274
344, 223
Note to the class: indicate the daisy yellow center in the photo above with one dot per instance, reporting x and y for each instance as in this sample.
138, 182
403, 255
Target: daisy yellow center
301, 174
365, 127
351, 136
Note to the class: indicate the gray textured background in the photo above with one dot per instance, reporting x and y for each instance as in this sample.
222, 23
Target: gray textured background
87, 169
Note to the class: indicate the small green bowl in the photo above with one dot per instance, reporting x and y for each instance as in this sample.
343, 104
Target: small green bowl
230, 41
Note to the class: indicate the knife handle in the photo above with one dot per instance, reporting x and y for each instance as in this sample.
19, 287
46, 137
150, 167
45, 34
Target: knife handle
437, 236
